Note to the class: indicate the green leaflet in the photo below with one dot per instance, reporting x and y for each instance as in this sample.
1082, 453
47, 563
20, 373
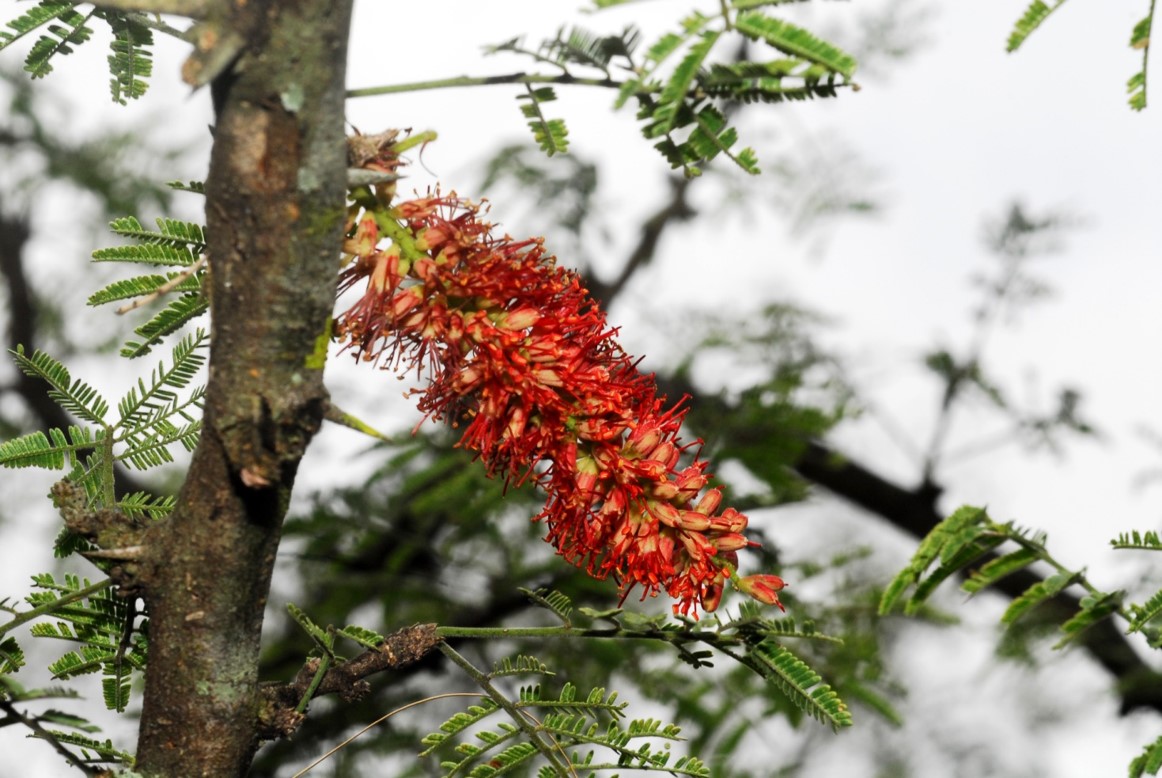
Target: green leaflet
800, 683
11, 656
998, 568
1144, 541
1146, 612
1094, 608
581, 731
1034, 15
170, 319
1037, 594
39, 15
73, 32
550, 134
96, 619
130, 62
1149, 761
795, 41
1140, 39
674, 94
51, 452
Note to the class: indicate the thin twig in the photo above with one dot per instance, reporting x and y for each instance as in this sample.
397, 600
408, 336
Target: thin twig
49, 607
165, 288
379, 721
548, 750
510, 78
44, 734
193, 9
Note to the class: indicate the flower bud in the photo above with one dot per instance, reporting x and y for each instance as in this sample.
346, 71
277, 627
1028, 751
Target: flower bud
666, 513
730, 542
710, 502
763, 588
694, 521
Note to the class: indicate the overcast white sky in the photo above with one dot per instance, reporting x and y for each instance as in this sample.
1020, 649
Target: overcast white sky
954, 133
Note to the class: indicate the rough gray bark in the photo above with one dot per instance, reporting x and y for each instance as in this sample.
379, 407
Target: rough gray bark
275, 209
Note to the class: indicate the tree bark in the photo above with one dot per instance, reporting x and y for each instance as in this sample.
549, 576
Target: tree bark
275, 210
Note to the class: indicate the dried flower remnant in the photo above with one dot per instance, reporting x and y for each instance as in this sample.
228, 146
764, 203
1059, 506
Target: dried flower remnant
517, 352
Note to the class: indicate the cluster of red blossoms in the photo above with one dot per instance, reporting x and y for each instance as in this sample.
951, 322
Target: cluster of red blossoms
520, 356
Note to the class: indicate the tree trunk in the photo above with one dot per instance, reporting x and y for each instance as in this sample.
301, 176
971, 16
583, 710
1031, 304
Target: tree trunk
275, 210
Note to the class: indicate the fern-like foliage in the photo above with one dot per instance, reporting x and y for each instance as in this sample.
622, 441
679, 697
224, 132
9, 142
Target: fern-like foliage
587, 731
152, 417
953, 544
753, 641
99, 623
42, 725
1143, 541
681, 93
64, 28
76, 397
174, 243
802, 685
73, 31
1034, 15
550, 134
961, 539
1149, 762
1039, 11
131, 61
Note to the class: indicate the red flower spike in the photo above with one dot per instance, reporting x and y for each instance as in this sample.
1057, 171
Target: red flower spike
518, 353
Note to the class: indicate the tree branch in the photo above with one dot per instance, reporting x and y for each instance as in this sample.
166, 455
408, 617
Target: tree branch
275, 207
400, 649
